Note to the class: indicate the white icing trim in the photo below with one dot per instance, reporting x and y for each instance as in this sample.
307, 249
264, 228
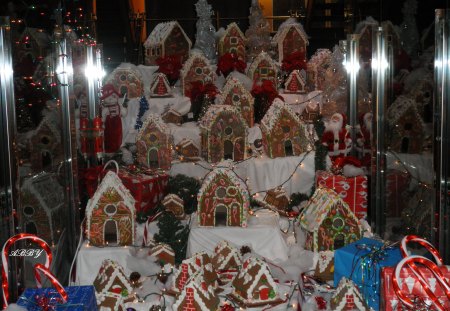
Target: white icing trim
160, 33
283, 30
117, 272
258, 59
160, 125
347, 287
155, 83
275, 111
228, 30
162, 247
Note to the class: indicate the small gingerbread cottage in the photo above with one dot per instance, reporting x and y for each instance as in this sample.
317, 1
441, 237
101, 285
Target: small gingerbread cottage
223, 134
223, 200
196, 68
110, 213
153, 144
226, 257
290, 37
311, 112
200, 262
175, 205
282, 131
348, 297
406, 126
316, 72
254, 284
167, 39
296, 82
160, 86
235, 94
170, 115
232, 41
188, 150
41, 207
278, 198
127, 79
163, 253
262, 68
328, 222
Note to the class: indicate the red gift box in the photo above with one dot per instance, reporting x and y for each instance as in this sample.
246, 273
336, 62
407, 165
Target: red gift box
353, 190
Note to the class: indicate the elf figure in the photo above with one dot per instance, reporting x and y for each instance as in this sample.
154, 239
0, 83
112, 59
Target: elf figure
336, 136
112, 113
364, 138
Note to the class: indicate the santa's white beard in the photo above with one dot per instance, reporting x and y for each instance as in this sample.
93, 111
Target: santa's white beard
334, 127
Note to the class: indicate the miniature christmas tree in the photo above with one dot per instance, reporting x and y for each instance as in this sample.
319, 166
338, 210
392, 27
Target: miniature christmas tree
258, 33
205, 36
409, 32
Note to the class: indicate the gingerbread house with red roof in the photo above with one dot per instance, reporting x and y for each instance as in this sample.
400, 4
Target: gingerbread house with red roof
153, 144
235, 94
296, 82
348, 297
160, 86
290, 38
163, 253
127, 79
223, 199
110, 213
188, 150
196, 69
223, 134
262, 68
174, 204
167, 39
282, 131
232, 41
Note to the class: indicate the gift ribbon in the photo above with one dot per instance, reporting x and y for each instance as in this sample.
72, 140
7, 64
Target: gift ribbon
5, 253
436, 272
40, 268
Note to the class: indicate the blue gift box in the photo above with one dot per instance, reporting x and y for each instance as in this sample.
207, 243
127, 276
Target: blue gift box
81, 298
362, 261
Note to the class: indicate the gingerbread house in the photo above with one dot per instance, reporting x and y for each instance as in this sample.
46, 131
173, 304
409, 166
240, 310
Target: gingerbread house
282, 131
45, 145
311, 112
223, 199
196, 68
34, 43
290, 38
254, 284
406, 126
153, 143
170, 115
126, 79
160, 86
328, 222
325, 266
277, 198
226, 257
296, 82
348, 297
197, 295
163, 253
110, 213
41, 207
232, 41
167, 39
113, 288
317, 69
262, 68
188, 150
235, 94
175, 205
223, 134
200, 262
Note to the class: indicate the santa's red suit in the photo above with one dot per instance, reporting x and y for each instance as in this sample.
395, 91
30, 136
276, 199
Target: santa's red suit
364, 138
336, 136
112, 114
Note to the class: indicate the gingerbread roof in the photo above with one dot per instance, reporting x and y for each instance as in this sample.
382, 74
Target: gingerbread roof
162, 248
399, 107
224, 254
172, 198
215, 111
111, 274
275, 111
172, 111
47, 190
347, 288
230, 84
160, 33
200, 292
190, 61
284, 29
258, 59
185, 142
318, 207
155, 82
278, 193
155, 119
229, 28
296, 74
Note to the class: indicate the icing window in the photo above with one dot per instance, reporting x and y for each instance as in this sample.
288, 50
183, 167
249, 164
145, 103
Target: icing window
110, 209
123, 77
229, 131
233, 40
199, 70
221, 192
236, 98
28, 211
338, 223
153, 138
286, 129
263, 71
45, 140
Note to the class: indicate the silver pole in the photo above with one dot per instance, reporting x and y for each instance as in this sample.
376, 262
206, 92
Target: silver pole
94, 75
352, 62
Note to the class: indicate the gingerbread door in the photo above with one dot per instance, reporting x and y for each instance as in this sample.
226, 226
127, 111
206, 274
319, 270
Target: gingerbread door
239, 147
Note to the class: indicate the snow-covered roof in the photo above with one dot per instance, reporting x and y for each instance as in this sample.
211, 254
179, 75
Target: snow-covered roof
172, 198
151, 118
186, 142
286, 26
258, 59
160, 248
190, 61
160, 33
229, 28
107, 280
346, 288
215, 111
399, 107
276, 109
230, 84
199, 293
131, 68
232, 253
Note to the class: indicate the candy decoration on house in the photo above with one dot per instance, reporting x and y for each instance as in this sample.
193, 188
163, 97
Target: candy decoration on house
223, 134
153, 143
262, 68
205, 39
336, 136
226, 260
167, 39
188, 150
112, 286
41, 207
196, 69
199, 262
163, 253
110, 214
126, 79
258, 32
170, 115
277, 198
223, 199
175, 205
296, 82
311, 112
235, 94
407, 132
282, 131
348, 297
290, 37
364, 138
160, 86
317, 69
254, 285
328, 222
232, 41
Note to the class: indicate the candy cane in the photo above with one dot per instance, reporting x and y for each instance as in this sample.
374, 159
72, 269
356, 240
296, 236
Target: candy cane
147, 224
424, 243
5, 251
40, 268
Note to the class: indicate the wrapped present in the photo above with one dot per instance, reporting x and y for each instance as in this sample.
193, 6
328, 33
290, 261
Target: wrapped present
361, 262
353, 190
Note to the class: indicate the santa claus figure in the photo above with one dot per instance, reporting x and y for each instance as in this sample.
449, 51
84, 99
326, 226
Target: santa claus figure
364, 138
112, 113
336, 136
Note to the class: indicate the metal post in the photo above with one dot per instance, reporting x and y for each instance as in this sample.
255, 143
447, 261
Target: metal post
378, 165
441, 126
352, 65
8, 166
94, 75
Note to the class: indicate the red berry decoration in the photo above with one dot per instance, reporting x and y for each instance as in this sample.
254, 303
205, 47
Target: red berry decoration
227, 307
